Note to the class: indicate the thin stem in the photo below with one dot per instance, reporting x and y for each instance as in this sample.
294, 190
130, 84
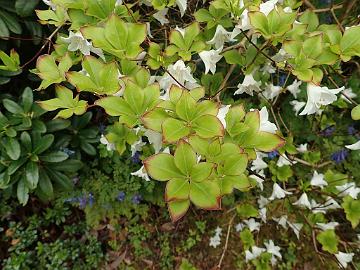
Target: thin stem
226, 241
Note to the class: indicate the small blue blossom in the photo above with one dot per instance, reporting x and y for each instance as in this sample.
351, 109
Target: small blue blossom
282, 79
273, 154
136, 158
68, 151
102, 128
352, 130
91, 199
327, 132
71, 200
82, 202
339, 156
136, 199
121, 196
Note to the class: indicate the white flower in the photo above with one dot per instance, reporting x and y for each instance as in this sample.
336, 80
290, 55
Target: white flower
318, 180
180, 72
281, 55
210, 58
258, 179
256, 252
182, 4
329, 204
118, 3
216, 239
265, 124
50, 4
160, 16
239, 227
76, 42
222, 114
252, 224
318, 96
278, 192
296, 227
220, 37
348, 93
302, 148
262, 214
284, 160
282, 221
259, 164
354, 146
268, 6
297, 106
148, 33
109, 146
272, 249
294, 88
268, 68
248, 86
137, 146
155, 138
344, 258
262, 201
141, 173
271, 91
327, 226
180, 30
348, 189
303, 201
244, 23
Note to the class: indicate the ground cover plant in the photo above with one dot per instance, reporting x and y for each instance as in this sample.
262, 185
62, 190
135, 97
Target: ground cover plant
180, 134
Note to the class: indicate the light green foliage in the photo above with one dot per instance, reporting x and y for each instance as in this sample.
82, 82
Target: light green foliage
328, 240
352, 210
185, 44
66, 102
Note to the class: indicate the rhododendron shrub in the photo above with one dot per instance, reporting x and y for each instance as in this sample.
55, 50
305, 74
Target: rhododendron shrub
201, 87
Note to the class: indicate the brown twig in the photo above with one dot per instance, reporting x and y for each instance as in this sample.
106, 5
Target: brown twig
226, 241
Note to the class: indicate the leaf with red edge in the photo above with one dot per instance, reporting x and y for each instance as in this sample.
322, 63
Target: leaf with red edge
206, 194
178, 209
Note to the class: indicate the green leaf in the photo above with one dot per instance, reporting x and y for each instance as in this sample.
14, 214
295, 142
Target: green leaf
247, 211
54, 157
22, 192
69, 165
329, 241
177, 189
117, 37
32, 174
12, 148
154, 119
313, 46
12, 106
43, 143
173, 130
45, 184
162, 167
235, 164
115, 106
49, 72
350, 44
102, 77
178, 209
201, 171
234, 57
247, 238
184, 157
60, 179
25, 7
4, 31
208, 126
352, 210
205, 194
11, 22
229, 182
355, 113
65, 101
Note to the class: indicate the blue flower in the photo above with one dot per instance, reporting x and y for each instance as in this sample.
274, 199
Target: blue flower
68, 151
282, 79
327, 132
273, 154
136, 199
121, 196
91, 199
352, 130
136, 157
102, 128
339, 156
